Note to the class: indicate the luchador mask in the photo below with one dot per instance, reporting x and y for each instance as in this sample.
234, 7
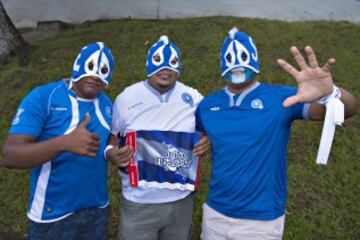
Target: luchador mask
239, 52
163, 55
94, 60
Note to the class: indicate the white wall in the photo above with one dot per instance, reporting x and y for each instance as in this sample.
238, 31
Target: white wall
25, 13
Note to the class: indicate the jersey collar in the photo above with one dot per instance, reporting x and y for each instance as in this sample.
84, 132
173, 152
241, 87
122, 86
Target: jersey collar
231, 95
73, 94
162, 97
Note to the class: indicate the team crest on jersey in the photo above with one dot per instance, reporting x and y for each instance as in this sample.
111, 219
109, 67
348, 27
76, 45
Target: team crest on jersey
108, 111
172, 159
16, 119
187, 98
257, 103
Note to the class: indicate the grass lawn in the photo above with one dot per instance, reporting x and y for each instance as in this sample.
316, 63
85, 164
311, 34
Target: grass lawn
323, 201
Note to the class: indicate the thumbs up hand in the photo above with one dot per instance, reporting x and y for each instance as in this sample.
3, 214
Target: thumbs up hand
81, 141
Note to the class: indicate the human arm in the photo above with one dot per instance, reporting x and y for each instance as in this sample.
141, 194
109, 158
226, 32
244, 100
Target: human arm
314, 83
317, 111
202, 146
120, 157
23, 151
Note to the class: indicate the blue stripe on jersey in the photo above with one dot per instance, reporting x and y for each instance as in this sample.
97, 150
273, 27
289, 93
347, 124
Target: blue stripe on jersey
180, 139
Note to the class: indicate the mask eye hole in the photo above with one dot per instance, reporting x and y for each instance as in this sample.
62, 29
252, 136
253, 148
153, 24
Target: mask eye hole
91, 65
243, 56
228, 57
156, 58
104, 70
174, 61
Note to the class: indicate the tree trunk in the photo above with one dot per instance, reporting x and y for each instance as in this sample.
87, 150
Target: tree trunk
10, 39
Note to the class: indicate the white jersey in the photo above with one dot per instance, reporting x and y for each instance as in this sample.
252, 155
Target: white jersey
141, 107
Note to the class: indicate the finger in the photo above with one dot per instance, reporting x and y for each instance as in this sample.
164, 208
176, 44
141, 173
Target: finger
203, 140
291, 101
298, 57
201, 150
91, 152
127, 154
201, 146
123, 163
125, 149
329, 65
85, 122
95, 137
93, 149
311, 57
122, 160
95, 143
288, 68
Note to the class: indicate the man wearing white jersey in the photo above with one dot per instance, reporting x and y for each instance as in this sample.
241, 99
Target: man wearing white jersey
164, 105
60, 132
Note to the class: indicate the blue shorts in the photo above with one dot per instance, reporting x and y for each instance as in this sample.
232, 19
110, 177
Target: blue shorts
87, 224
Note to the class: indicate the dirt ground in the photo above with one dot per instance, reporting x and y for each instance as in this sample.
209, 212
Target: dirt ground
12, 236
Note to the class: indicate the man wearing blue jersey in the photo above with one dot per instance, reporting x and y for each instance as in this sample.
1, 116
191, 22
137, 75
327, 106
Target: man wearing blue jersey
160, 207
248, 124
60, 132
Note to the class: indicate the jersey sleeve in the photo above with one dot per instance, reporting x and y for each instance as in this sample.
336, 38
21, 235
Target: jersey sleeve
117, 123
298, 110
31, 115
197, 97
198, 122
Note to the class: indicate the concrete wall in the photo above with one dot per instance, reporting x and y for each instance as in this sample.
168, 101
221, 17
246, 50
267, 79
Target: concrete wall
26, 13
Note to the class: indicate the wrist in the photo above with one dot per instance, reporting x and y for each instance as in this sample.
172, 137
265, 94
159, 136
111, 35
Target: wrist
336, 93
107, 148
61, 144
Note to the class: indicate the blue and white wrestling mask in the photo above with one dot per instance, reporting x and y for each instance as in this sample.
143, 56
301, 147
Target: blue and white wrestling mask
163, 55
238, 57
94, 60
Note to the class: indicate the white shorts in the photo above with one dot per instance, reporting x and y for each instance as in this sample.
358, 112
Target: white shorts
216, 226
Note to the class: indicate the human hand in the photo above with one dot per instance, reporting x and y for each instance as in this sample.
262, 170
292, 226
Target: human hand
313, 82
202, 146
120, 157
81, 141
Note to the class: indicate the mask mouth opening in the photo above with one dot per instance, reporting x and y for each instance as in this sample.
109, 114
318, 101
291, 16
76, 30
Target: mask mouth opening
237, 71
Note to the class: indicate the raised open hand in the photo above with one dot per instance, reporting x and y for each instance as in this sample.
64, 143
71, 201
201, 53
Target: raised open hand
313, 82
81, 141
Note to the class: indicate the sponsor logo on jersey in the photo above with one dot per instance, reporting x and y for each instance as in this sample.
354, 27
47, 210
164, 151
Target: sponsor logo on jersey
215, 109
135, 105
172, 159
59, 109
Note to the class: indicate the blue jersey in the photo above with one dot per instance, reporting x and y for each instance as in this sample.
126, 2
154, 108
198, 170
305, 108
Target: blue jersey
249, 135
68, 182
